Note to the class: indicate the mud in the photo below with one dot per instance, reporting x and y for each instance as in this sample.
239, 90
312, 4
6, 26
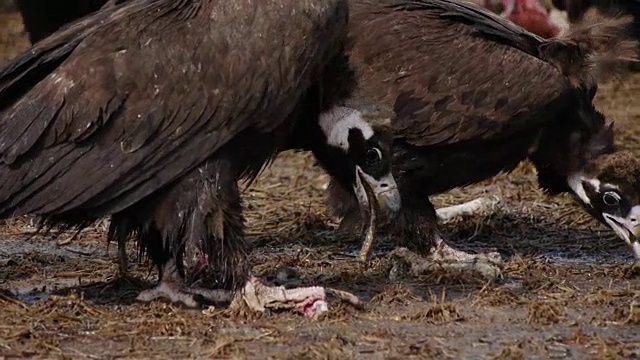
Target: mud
568, 291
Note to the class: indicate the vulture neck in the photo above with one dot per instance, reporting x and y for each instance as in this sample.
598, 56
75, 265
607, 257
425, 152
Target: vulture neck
329, 132
576, 182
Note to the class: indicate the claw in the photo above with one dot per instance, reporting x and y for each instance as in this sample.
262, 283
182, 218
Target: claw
310, 301
189, 297
172, 288
443, 257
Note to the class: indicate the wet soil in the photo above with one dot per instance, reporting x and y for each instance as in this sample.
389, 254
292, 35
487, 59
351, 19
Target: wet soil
568, 290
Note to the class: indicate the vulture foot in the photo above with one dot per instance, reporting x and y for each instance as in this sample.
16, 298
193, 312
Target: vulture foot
444, 257
310, 301
171, 287
472, 207
189, 297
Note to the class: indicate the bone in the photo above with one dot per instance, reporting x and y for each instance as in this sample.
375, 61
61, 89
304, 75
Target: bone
310, 301
260, 297
473, 207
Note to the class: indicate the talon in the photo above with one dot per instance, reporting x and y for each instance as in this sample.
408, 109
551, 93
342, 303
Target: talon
444, 257
172, 288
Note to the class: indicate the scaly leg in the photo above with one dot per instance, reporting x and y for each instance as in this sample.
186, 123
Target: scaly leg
123, 261
121, 278
472, 207
171, 287
444, 257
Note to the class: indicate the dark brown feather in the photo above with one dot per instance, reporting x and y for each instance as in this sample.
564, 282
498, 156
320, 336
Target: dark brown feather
473, 95
473, 67
127, 97
418, 58
152, 110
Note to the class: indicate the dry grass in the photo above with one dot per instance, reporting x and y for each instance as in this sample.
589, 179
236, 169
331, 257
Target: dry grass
567, 293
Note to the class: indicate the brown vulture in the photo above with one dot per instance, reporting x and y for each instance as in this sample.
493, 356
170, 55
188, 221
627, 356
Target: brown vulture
471, 95
152, 110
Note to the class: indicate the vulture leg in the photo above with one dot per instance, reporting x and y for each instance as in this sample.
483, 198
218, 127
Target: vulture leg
468, 208
207, 209
119, 231
443, 257
202, 213
418, 228
172, 288
123, 261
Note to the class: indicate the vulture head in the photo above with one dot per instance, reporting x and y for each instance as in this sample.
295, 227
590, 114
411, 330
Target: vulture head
610, 190
358, 156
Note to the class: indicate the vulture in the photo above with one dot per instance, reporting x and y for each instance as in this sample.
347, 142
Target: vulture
151, 111
470, 95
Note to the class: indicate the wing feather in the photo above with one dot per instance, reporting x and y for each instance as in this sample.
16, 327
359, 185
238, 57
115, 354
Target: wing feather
138, 95
452, 71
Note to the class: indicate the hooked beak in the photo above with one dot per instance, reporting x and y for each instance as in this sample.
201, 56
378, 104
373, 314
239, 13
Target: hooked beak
384, 190
627, 230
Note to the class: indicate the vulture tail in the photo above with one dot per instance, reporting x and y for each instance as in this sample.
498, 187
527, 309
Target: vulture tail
597, 47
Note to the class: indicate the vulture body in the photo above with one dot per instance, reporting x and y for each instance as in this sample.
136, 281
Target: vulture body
151, 111
472, 95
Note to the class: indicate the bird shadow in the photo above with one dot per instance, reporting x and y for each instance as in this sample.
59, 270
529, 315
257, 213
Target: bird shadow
121, 290
515, 234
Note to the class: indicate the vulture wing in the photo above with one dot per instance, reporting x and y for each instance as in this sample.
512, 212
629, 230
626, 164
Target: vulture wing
114, 107
452, 71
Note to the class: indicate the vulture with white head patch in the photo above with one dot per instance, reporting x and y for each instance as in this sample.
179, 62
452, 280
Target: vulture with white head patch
471, 95
151, 111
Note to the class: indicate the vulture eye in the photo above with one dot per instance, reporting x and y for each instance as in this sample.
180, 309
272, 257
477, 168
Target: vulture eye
374, 155
611, 198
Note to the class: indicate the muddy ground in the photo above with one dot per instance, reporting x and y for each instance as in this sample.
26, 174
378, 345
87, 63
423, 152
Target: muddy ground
568, 291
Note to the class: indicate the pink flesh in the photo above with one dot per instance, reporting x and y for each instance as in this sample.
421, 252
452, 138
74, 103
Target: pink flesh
519, 6
308, 306
199, 266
